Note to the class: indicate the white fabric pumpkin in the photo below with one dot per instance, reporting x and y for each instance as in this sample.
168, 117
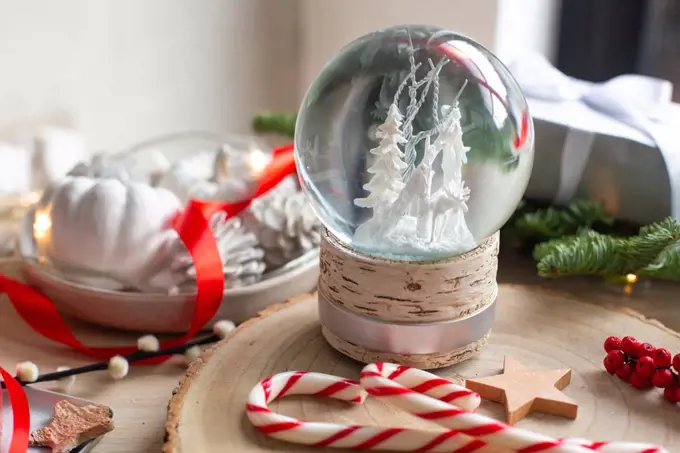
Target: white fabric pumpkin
108, 227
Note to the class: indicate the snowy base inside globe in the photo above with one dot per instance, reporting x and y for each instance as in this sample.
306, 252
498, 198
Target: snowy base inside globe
430, 313
451, 237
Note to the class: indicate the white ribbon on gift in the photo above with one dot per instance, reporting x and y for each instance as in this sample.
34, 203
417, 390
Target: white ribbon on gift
632, 107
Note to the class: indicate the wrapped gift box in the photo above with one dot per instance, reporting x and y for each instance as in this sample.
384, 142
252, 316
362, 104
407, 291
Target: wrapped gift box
616, 142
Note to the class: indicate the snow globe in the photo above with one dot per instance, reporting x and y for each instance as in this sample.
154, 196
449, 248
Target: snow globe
414, 146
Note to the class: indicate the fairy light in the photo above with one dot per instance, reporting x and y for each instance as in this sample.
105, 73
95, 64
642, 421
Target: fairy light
257, 162
41, 225
631, 278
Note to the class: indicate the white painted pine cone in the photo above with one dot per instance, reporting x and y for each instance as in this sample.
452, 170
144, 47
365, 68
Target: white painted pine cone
192, 178
242, 258
101, 166
285, 224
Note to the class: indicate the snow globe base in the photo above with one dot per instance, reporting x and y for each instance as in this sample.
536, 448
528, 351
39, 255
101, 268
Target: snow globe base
425, 314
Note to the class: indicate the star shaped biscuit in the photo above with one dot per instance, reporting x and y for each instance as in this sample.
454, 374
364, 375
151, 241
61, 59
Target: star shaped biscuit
524, 391
72, 426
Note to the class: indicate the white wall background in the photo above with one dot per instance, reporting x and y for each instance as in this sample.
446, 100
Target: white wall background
327, 25
510, 28
124, 70
526, 26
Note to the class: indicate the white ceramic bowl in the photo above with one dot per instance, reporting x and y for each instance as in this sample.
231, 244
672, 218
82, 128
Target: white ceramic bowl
159, 313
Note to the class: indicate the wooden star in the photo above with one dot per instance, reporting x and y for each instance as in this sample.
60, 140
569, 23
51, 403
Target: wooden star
72, 426
524, 391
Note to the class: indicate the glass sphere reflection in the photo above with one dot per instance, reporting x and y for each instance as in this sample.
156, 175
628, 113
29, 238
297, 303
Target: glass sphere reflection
414, 143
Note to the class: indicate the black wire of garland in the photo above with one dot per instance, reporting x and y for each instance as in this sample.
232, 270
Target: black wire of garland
136, 356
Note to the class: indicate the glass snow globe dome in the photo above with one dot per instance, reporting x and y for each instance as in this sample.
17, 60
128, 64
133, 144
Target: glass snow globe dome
414, 143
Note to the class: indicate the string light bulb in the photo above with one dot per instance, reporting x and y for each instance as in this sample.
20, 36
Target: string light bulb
631, 278
41, 225
257, 162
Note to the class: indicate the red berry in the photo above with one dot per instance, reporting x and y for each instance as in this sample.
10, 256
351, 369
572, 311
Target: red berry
645, 366
676, 362
629, 345
614, 361
662, 358
672, 394
645, 349
639, 381
663, 378
612, 344
624, 372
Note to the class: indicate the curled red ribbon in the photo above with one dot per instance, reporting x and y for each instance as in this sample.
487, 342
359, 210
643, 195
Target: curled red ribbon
21, 414
192, 226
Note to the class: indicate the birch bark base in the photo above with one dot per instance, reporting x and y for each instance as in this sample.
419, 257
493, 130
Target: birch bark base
408, 293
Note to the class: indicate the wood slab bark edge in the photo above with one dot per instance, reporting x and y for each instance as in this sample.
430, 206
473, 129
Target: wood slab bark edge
175, 403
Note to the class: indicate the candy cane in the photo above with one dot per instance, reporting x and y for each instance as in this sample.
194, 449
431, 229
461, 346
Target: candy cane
421, 393
324, 434
381, 380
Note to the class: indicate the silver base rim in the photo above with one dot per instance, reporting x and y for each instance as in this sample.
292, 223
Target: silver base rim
405, 338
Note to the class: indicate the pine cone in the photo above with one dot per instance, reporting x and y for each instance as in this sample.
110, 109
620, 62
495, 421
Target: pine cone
101, 166
187, 179
242, 259
285, 224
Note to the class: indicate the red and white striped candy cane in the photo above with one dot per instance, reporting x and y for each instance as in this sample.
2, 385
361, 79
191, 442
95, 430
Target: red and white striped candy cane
381, 380
324, 434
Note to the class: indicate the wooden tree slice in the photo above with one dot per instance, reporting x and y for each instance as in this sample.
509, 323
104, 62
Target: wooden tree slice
538, 328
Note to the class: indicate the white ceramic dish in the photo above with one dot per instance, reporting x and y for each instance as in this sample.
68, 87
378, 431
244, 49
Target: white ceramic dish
159, 313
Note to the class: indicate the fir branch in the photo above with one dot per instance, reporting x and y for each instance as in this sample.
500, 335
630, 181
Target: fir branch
653, 253
590, 253
653, 240
665, 267
276, 122
553, 223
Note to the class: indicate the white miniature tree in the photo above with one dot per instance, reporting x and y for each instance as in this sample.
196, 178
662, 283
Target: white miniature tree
424, 211
450, 141
409, 216
451, 199
388, 165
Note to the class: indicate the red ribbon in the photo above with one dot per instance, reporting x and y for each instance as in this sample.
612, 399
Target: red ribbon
21, 414
192, 226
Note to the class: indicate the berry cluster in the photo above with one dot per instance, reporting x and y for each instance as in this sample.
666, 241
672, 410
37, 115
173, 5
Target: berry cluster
643, 365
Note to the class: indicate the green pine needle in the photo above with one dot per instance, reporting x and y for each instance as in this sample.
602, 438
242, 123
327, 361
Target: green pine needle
653, 253
276, 122
590, 253
553, 223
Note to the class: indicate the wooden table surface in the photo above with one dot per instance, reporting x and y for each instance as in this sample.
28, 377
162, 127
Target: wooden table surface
140, 400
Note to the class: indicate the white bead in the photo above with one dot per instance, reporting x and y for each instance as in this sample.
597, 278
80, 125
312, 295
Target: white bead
148, 343
223, 328
27, 372
192, 354
118, 367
